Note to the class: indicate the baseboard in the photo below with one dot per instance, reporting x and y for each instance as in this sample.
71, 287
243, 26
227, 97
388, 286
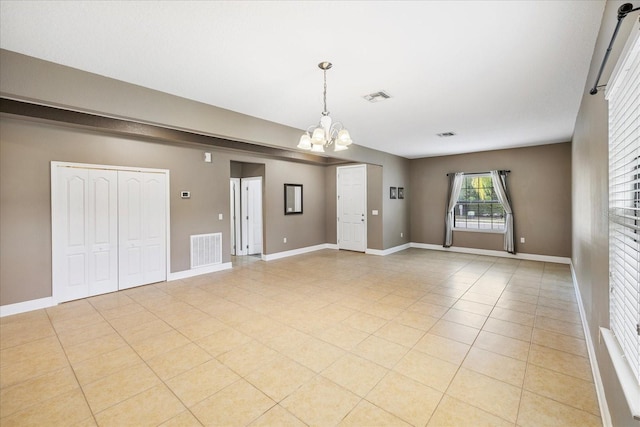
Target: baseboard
23, 307
595, 370
299, 251
198, 271
488, 252
384, 252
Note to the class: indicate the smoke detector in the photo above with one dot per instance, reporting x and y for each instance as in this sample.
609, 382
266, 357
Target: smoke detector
377, 96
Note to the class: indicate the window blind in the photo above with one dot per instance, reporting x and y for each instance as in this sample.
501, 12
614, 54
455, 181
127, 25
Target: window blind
624, 207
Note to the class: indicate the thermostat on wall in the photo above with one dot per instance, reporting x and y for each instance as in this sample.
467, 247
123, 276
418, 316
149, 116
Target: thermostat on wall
185, 194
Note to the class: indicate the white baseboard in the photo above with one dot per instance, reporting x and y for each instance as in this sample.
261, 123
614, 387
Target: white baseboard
198, 271
23, 307
487, 252
384, 252
299, 251
595, 370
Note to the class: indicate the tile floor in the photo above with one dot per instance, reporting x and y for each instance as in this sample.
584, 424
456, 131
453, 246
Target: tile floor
420, 338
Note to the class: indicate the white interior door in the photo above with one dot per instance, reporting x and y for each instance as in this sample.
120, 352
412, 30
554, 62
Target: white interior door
84, 225
352, 206
251, 207
236, 235
141, 228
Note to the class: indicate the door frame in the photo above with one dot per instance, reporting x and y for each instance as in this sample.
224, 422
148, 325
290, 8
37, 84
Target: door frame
54, 218
236, 214
245, 229
338, 203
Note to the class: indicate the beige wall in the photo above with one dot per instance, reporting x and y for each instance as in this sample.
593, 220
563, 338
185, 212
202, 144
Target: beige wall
590, 206
539, 185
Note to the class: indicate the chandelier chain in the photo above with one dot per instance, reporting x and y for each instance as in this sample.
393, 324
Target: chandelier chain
325, 112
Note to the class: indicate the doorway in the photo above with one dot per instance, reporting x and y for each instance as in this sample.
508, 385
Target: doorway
352, 207
246, 205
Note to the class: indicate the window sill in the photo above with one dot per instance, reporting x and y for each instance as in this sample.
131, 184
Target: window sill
629, 385
480, 230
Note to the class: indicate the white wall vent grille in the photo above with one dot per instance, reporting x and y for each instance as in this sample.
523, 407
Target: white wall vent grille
206, 249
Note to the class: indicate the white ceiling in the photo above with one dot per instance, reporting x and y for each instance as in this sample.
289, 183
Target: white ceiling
499, 74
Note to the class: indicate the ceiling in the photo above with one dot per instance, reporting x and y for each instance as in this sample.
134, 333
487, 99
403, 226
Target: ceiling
499, 74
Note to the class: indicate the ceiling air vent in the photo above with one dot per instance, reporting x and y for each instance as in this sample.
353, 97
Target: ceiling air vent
446, 134
377, 96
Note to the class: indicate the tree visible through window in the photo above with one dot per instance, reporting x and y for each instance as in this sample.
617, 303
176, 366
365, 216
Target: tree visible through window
478, 207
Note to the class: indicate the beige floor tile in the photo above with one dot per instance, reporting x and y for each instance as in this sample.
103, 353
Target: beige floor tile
248, 357
405, 398
36, 390
159, 344
515, 305
315, 354
443, 348
367, 414
453, 412
149, 408
320, 402
563, 388
505, 346
145, 330
465, 318
343, 336
16, 333
88, 333
95, 347
560, 361
400, 334
132, 320
222, 341
30, 360
365, 322
514, 316
428, 370
539, 411
63, 410
105, 364
356, 374
71, 323
560, 342
491, 395
280, 377
201, 382
287, 341
496, 366
197, 330
560, 326
428, 309
455, 331
174, 362
277, 416
416, 320
238, 404
381, 351
508, 329
479, 298
117, 387
121, 310
183, 419
441, 300
473, 307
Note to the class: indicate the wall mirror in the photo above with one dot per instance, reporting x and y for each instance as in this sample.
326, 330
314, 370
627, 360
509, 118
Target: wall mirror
292, 199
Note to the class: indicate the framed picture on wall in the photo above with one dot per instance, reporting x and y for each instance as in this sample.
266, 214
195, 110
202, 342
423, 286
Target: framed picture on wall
393, 193
400, 192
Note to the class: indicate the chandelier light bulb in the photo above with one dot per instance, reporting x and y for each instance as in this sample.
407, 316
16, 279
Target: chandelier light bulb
328, 132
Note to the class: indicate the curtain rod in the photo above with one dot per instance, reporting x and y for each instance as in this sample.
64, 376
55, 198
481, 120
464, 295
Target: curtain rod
623, 11
480, 173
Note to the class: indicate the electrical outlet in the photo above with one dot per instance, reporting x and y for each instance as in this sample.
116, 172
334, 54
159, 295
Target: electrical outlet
401, 234
284, 240
522, 240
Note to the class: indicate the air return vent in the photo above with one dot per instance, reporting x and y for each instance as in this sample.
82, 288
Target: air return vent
206, 249
446, 134
377, 96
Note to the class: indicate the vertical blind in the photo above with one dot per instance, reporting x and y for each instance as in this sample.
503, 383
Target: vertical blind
624, 207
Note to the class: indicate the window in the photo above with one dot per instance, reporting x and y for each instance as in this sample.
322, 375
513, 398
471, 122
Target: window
624, 218
478, 207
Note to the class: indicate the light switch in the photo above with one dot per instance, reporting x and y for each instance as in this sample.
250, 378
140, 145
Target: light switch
220, 217
374, 212
207, 157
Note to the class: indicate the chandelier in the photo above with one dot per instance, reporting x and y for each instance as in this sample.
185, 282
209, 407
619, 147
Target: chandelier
326, 132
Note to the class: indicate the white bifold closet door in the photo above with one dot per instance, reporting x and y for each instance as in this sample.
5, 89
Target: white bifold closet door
85, 233
109, 230
142, 228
